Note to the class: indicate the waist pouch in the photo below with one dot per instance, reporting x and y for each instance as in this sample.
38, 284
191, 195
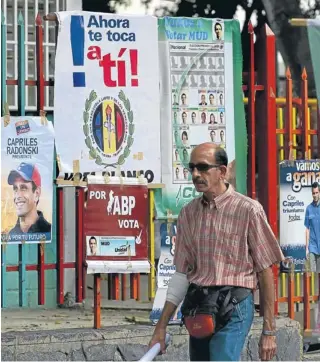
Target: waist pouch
205, 310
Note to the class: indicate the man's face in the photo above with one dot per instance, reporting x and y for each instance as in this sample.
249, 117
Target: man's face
218, 31
24, 198
183, 98
203, 117
211, 98
193, 117
204, 181
93, 246
221, 117
177, 173
212, 135
203, 98
184, 117
315, 194
185, 173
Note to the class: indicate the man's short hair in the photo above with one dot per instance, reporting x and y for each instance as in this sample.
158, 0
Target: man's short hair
315, 185
221, 157
92, 237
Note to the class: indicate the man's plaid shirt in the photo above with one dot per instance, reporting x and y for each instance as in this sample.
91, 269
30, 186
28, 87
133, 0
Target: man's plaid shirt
225, 241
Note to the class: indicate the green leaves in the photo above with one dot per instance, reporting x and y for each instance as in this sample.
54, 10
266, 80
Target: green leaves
121, 160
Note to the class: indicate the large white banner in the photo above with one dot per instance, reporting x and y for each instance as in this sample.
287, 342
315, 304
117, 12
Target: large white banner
107, 113
27, 146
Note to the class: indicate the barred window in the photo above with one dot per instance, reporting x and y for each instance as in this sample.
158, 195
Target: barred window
29, 10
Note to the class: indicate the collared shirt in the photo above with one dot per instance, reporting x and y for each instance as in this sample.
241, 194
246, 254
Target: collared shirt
312, 223
40, 226
225, 241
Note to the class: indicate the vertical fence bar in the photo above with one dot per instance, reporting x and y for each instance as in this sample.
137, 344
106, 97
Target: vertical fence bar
133, 286
251, 123
116, 285
288, 115
21, 66
79, 244
97, 301
3, 62
60, 249
294, 136
3, 276
152, 283
291, 293
22, 275
123, 286
306, 300
40, 107
318, 135
304, 114
21, 111
41, 274
281, 136
40, 73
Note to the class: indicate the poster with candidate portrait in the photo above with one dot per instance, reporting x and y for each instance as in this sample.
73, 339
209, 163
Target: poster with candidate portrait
107, 87
201, 97
116, 226
165, 271
27, 146
296, 179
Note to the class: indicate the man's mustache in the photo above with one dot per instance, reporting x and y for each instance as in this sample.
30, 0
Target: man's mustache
197, 180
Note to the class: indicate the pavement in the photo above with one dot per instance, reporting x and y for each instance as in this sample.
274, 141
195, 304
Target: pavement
119, 313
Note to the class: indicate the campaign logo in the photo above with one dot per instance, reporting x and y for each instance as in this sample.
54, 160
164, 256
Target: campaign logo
22, 127
108, 128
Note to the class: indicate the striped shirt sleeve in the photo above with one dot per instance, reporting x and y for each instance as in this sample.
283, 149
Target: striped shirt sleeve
264, 247
181, 254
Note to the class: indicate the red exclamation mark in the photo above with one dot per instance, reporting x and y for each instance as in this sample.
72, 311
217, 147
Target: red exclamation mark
134, 67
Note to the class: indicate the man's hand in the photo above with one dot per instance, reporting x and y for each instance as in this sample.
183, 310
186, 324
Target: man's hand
267, 347
159, 336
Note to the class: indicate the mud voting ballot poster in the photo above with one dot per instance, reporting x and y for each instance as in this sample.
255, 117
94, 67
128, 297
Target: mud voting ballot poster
107, 106
27, 145
116, 222
201, 101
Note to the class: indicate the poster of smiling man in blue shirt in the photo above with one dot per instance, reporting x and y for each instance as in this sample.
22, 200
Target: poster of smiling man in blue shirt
312, 224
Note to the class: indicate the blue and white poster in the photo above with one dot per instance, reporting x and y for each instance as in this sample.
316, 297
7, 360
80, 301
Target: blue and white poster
296, 179
165, 271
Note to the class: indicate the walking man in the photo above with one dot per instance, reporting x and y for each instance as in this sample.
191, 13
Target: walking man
312, 224
223, 239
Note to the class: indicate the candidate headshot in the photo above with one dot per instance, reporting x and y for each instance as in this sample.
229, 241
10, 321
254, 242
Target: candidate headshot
93, 246
218, 31
26, 185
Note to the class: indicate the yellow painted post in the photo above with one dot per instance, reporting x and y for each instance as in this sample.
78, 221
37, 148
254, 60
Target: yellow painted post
152, 287
283, 284
281, 140
312, 286
294, 127
298, 288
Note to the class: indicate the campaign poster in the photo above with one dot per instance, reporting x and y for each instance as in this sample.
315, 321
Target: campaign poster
296, 179
165, 270
116, 222
106, 101
27, 145
201, 98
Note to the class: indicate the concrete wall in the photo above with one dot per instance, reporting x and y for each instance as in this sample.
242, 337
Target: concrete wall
129, 343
